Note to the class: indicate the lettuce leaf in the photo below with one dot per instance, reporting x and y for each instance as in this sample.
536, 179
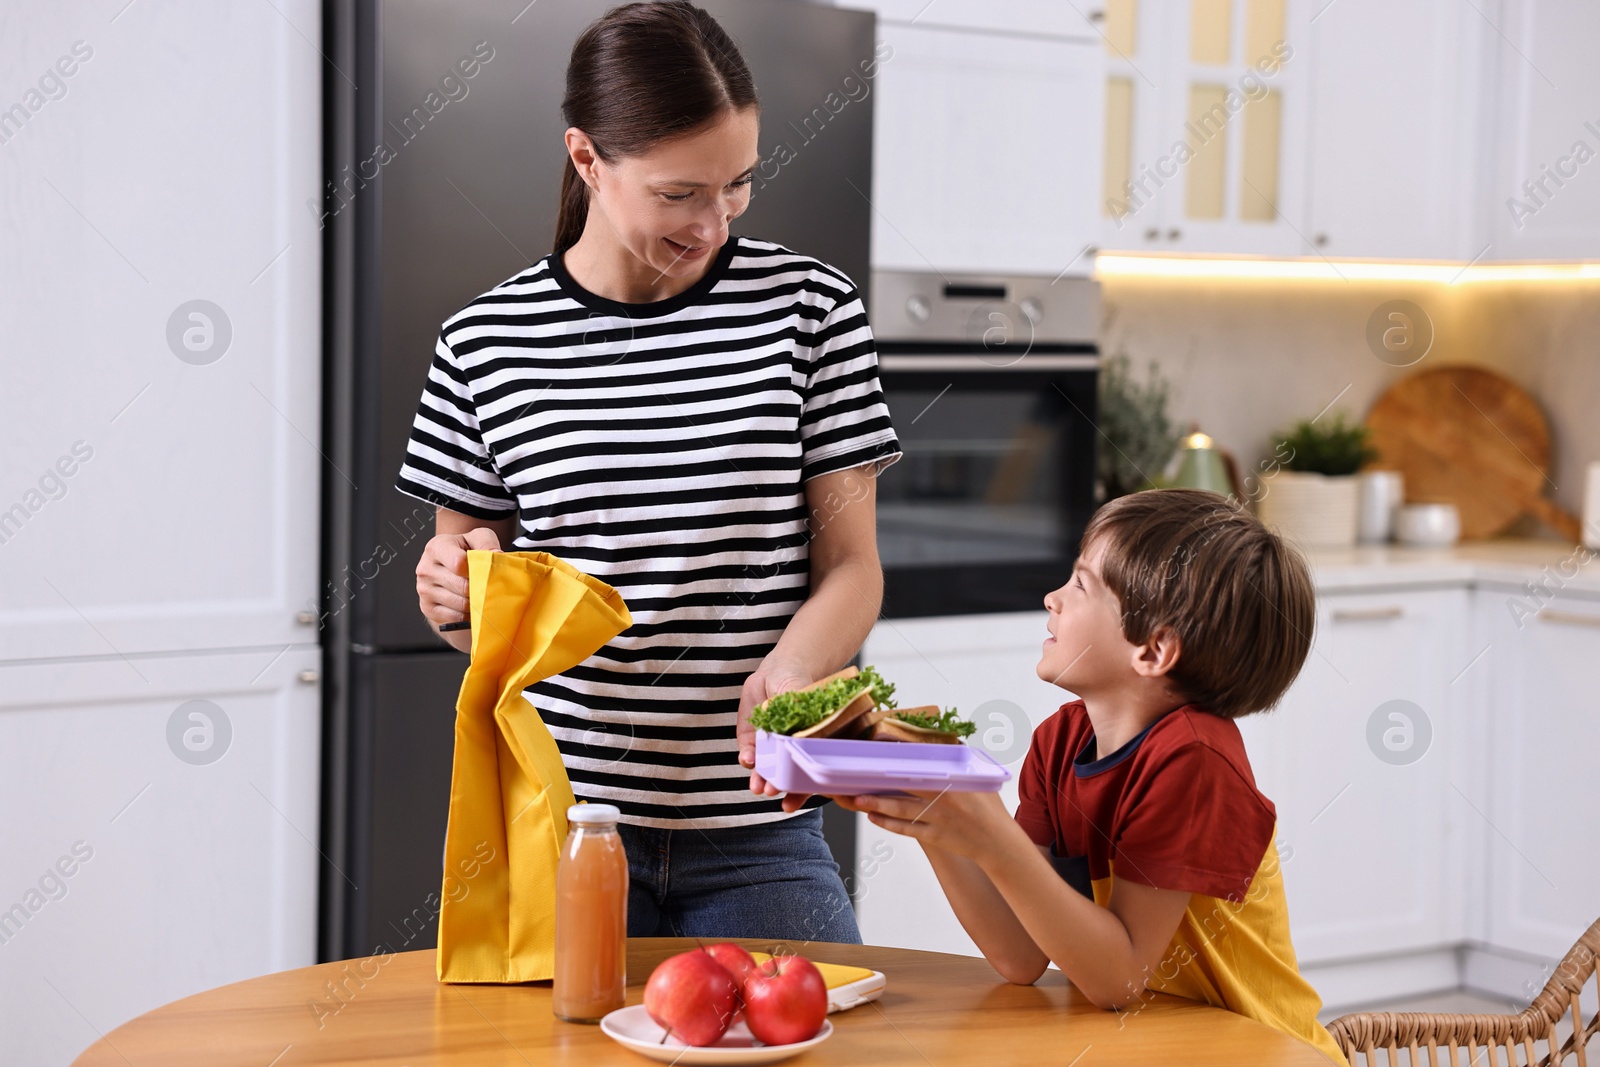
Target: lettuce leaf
949, 722
797, 710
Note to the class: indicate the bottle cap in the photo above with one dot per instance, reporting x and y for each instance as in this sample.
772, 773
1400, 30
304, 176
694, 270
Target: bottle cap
593, 814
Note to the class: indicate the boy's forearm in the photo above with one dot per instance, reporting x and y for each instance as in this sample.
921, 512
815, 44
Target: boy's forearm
987, 918
1007, 894
1088, 942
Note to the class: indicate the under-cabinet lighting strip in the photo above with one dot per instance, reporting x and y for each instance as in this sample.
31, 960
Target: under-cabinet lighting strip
1112, 265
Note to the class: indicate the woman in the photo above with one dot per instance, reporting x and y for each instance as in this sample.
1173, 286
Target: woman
695, 419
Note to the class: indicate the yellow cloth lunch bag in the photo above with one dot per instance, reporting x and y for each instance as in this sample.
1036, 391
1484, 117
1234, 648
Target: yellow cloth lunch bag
533, 616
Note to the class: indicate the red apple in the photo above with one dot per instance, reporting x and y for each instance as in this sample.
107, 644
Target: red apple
692, 996
738, 963
785, 1000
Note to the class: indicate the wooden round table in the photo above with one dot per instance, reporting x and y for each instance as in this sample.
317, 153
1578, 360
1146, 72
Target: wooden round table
937, 1009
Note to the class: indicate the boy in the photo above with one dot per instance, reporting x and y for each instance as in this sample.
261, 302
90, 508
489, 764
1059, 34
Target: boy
1141, 856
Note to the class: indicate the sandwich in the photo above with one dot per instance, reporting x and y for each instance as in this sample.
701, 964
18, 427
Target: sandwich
856, 705
829, 707
926, 724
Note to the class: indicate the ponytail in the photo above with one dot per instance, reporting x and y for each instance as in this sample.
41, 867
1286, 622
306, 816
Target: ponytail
574, 210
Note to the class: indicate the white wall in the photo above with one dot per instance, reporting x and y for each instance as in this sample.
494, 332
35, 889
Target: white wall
1248, 358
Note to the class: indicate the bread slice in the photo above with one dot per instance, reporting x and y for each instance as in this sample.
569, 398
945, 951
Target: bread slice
920, 709
890, 728
860, 728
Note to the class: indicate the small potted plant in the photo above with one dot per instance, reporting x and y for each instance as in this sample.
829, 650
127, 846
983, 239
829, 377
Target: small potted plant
1139, 435
1313, 498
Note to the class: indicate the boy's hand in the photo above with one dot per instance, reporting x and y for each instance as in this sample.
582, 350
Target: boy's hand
974, 825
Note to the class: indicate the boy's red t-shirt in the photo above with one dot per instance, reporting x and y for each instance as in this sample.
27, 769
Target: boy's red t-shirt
1174, 808
1177, 808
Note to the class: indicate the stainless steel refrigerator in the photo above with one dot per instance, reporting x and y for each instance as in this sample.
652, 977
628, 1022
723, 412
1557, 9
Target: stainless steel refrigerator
443, 154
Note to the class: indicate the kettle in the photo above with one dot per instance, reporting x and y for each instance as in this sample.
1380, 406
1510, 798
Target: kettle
1202, 465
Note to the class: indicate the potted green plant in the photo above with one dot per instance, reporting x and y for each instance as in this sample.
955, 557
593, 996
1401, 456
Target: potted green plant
1138, 435
1313, 498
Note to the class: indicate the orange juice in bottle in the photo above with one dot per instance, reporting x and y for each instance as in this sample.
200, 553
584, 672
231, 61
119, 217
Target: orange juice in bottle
591, 916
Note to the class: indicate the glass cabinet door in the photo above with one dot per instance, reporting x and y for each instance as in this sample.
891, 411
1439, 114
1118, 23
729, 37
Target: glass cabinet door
1132, 192
1204, 131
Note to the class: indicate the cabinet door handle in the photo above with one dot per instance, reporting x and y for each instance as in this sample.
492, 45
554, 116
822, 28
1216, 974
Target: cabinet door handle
1571, 618
1367, 614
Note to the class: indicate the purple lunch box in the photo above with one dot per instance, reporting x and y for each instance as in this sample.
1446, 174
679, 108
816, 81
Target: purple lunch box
837, 767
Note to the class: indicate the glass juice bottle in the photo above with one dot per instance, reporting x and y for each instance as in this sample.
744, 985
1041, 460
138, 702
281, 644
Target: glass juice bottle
591, 916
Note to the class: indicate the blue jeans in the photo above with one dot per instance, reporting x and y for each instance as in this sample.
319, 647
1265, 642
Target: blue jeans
772, 880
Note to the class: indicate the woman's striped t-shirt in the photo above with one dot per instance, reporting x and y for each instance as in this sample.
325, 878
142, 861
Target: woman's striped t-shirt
661, 447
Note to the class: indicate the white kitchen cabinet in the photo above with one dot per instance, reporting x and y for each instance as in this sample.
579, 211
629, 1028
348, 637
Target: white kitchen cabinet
162, 457
1538, 827
1359, 760
175, 874
1364, 140
1394, 130
1543, 191
985, 151
1358, 129
982, 665
1204, 129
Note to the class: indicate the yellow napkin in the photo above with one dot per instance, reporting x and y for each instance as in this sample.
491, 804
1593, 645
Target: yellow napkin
533, 616
834, 975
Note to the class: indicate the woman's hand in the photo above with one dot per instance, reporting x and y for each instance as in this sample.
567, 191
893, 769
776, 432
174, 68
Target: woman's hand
774, 676
442, 580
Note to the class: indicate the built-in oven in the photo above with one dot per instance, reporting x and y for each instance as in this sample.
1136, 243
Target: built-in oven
991, 386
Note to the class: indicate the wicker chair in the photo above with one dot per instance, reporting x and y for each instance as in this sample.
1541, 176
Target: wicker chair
1488, 1040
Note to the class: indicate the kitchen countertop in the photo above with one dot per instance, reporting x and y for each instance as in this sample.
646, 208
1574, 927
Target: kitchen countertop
1500, 561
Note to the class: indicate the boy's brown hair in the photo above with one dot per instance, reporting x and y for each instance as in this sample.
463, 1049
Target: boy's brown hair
1239, 598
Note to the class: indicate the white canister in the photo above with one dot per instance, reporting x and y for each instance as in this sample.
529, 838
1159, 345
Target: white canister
1429, 525
1381, 494
1591, 506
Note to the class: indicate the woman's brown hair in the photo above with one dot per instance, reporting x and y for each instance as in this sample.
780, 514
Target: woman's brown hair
1238, 596
639, 75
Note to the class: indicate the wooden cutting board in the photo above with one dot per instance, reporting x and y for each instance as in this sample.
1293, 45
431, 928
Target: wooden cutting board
1473, 438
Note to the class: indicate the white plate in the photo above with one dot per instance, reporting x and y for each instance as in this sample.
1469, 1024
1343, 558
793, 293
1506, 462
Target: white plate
634, 1028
